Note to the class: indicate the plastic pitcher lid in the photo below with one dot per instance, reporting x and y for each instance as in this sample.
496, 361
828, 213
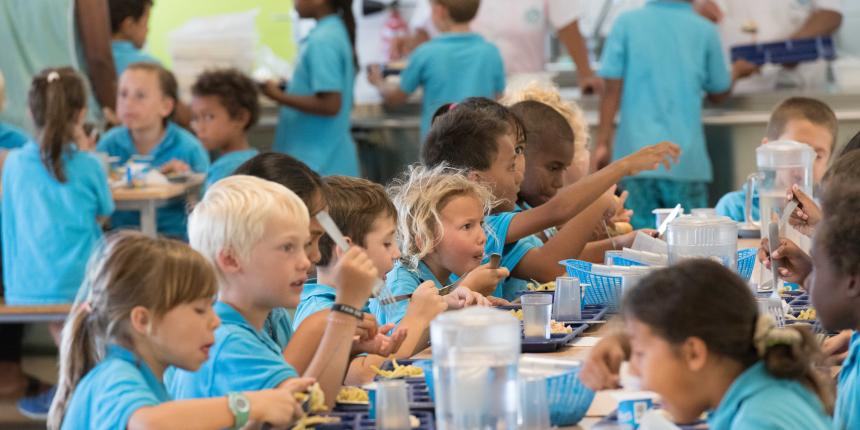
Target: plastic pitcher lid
784, 153
692, 221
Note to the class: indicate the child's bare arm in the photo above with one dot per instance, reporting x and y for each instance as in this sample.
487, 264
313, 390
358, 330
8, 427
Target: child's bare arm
391, 93
574, 198
324, 103
541, 264
609, 105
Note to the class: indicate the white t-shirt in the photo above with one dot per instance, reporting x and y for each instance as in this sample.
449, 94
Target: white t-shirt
774, 20
518, 28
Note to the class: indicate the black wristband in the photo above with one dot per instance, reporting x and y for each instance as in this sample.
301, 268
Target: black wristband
349, 310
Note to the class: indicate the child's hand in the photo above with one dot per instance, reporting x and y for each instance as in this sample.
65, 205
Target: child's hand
367, 328
793, 264
381, 343
374, 75
271, 89
836, 348
354, 277
650, 158
601, 368
743, 68
278, 406
807, 215
626, 240
622, 214
483, 279
175, 166
426, 302
462, 297
498, 301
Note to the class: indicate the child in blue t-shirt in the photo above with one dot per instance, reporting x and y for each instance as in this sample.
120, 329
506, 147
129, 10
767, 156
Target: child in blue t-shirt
800, 119
129, 22
224, 106
453, 66
132, 324
145, 103
314, 123
54, 195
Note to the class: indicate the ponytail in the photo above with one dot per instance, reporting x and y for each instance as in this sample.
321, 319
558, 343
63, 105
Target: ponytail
78, 356
791, 353
344, 8
56, 99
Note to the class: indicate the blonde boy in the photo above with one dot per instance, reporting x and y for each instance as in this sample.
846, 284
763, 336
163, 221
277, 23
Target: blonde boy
254, 233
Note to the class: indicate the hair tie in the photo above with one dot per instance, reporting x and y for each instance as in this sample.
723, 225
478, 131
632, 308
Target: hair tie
53, 76
767, 334
452, 106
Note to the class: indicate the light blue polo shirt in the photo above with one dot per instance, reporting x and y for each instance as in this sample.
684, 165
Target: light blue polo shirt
242, 359
452, 67
279, 327
401, 280
324, 65
49, 228
177, 144
110, 393
668, 57
315, 298
758, 400
12, 137
847, 413
125, 53
732, 205
512, 255
226, 164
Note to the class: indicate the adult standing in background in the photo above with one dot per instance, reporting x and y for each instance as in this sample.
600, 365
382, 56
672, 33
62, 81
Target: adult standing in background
71, 32
519, 28
36, 34
760, 21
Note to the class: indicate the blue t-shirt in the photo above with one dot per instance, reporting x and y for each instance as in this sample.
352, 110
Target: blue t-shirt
177, 144
452, 67
315, 298
226, 164
279, 327
110, 393
49, 228
325, 64
125, 53
12, 137
401, 280
732, 205
758, 400
242, 359
662, 94
847, 413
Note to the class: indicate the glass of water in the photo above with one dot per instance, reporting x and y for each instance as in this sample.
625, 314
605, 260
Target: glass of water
537, 309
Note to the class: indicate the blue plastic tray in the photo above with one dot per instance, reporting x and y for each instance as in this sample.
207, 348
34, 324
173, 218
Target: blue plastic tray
590, 313
786, 52
419, 392
555, 342
360, 421
612, 419
618, 260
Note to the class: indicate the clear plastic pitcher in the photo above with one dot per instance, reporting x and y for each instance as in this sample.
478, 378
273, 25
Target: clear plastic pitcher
714, 237
781, 164
475, 356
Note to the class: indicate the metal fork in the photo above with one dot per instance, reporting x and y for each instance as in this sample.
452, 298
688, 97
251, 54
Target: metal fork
495, 260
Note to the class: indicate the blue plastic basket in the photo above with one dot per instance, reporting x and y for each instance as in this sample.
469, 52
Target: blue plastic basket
746, 262
569, 399
618, 260
601, 290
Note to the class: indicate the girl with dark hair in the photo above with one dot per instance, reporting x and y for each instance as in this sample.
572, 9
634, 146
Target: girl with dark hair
314, 124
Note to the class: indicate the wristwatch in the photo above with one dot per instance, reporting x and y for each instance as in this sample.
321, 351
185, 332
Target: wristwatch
241, 409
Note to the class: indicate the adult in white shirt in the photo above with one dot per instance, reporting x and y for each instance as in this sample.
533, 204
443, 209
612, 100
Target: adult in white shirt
760, 21
519, 28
